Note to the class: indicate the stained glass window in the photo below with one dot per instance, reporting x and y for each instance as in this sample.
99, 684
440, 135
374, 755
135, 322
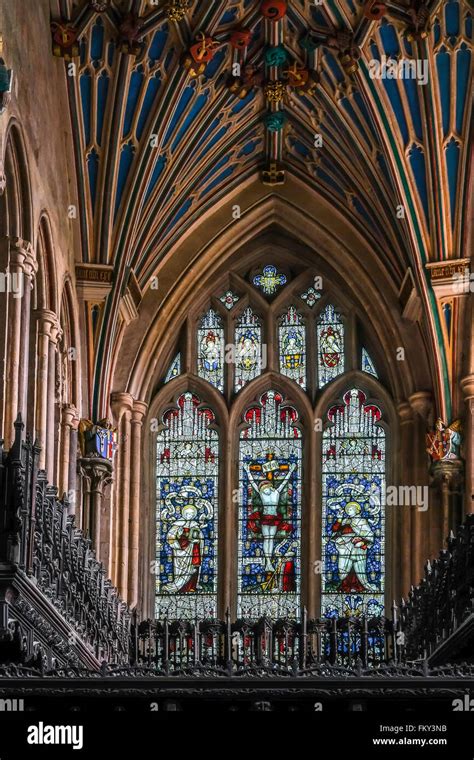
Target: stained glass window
187, 509
330, 338
367, 364
353, 529
248, 348
292, 346
270, 510
229, 299
310, 296
210, 339
269, 280
174, 368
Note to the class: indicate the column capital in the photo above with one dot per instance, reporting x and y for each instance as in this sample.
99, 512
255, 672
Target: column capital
22, 255
138, 412
70, 416
97, 471
48, 324
449, 471
422, 403
405, 412
120, 402
467, 387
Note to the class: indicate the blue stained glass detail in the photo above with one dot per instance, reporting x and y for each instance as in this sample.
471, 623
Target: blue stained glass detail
353, 529
269, 280
210, 348
174, 368
187, 511
367, 364
270, 511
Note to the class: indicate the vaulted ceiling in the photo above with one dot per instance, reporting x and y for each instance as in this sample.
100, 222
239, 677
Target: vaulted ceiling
160, 137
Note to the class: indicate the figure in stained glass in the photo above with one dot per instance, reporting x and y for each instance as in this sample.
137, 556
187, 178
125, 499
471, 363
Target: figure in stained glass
293, 347
186, 521
211, 349
270, 513
330, 345
248, 340
353, 517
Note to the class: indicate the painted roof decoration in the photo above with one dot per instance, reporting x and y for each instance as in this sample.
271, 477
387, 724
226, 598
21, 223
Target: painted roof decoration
176, 103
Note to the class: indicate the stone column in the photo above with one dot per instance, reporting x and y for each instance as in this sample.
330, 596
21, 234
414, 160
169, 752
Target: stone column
47, 326
97, 474
402, 554
122, 404
20, 269
69, 419
467, 387
421, 403
447, 477
30, 267
72, 474
51, 432
138, 413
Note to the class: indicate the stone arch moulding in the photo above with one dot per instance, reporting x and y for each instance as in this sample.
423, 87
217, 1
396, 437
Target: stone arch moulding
16, 205
309, 226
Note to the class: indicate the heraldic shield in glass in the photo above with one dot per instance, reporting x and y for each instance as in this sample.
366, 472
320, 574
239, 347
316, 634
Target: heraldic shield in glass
187, 498
330, 336
292, 344
270, 510
353, 517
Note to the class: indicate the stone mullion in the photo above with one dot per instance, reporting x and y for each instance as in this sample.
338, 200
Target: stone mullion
138, 413
467, 386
